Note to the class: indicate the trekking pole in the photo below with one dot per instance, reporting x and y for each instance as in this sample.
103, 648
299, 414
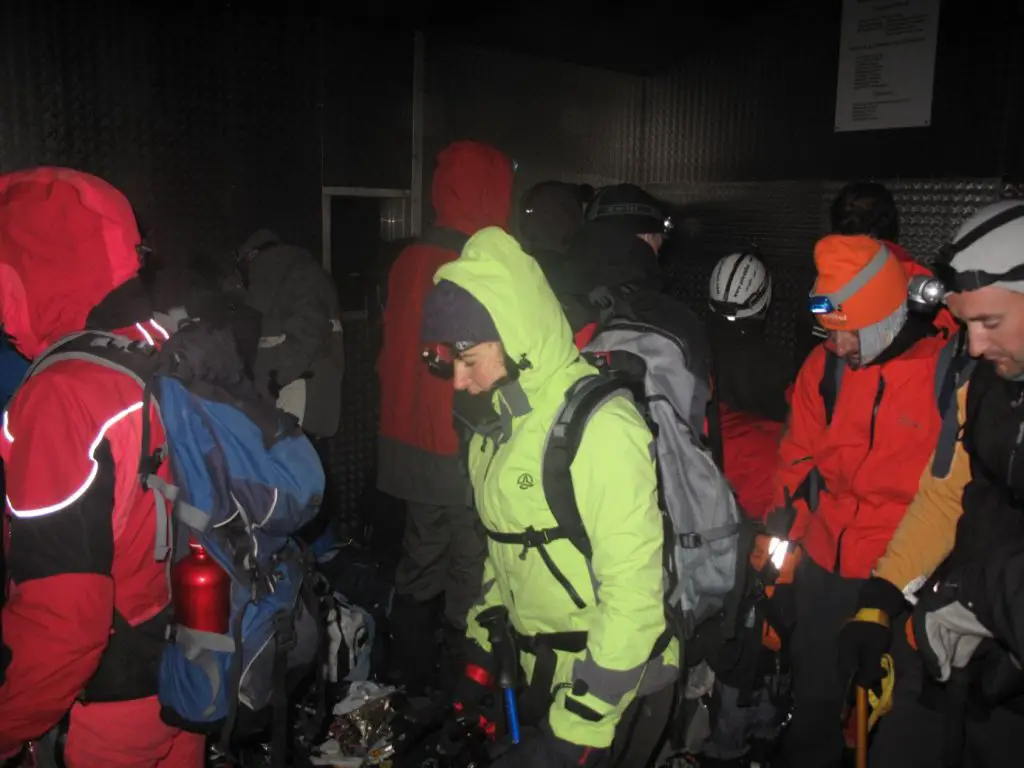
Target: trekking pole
862, 727
495, 621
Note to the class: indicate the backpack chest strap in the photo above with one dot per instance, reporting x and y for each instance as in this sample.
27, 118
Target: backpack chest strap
534, 539
531, 538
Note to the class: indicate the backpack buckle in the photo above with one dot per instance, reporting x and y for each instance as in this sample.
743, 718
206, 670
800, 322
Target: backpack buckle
691, 540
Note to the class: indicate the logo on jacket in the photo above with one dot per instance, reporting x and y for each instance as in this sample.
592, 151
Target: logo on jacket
525, 481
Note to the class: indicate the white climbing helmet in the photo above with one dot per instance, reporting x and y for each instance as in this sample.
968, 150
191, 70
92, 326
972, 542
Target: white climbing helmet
740, 287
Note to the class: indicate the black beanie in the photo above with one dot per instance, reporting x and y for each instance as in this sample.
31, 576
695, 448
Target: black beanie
452, 315
628, 207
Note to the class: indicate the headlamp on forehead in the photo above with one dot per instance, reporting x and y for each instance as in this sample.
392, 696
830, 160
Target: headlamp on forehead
439, 360
827, 303
641, 210
821, 305
730, 310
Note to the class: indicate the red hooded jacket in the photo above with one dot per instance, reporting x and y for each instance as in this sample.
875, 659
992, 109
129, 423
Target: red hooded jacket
472, 189
81, 528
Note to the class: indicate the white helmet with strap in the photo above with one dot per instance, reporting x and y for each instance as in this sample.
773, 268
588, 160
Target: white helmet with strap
740, 287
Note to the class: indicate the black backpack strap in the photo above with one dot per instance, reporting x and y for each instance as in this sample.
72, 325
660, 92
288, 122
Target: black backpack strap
952, 371
444, 237
831, 381
563, 441
582, 401
714, 418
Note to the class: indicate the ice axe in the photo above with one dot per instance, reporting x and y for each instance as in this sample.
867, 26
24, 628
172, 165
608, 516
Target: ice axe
495, 621
862, 727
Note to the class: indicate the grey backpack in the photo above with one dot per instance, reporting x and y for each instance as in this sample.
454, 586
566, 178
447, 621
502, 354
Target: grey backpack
702, 518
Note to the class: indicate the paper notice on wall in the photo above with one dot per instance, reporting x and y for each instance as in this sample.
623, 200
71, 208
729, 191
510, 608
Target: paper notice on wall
886, 64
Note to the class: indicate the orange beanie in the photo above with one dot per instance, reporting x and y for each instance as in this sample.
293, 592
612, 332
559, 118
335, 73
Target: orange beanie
839, 259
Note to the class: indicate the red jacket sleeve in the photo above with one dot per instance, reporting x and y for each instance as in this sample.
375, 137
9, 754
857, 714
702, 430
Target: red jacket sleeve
60, 496
804, 426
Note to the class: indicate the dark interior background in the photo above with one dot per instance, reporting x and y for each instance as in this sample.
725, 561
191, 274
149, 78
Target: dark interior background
217, 121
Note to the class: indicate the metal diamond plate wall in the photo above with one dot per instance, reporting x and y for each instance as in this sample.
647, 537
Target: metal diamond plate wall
783, 218
351, 456
931, 210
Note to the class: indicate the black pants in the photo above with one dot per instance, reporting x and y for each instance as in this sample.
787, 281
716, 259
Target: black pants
910, 736
642, 730
993, 739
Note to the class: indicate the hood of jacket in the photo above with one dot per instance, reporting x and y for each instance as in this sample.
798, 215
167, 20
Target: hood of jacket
472, 187
604, 255
512, 288
67, 239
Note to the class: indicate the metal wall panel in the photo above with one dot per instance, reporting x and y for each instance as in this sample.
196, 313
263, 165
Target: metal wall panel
351, 456
368, 107
210, 124
557, 120
758, 102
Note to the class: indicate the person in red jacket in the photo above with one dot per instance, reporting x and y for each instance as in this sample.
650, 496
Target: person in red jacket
844, 483
419, 450
87, 603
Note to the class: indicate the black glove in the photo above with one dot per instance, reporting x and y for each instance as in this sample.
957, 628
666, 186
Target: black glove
542, 749
779, 522
866, 637
780, 610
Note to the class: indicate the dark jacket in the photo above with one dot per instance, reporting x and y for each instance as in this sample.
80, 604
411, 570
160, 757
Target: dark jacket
986, 565
301, 334
751, 374
609, 269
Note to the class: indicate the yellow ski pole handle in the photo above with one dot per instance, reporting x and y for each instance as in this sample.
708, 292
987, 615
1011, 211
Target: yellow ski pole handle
881, 704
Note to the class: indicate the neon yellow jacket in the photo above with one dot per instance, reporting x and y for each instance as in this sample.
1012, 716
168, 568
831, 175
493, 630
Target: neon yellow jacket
616, 491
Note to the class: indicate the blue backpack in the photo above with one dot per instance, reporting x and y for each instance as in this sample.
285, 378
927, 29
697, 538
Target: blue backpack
245, 479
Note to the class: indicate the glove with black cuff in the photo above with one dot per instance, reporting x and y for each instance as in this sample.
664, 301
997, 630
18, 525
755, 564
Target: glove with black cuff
865, 638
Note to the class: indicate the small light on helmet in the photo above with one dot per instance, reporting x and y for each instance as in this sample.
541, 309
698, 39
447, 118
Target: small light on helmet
821, 305
668, 225
926, 291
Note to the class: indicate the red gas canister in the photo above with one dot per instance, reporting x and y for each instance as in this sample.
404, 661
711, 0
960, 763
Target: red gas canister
202, 592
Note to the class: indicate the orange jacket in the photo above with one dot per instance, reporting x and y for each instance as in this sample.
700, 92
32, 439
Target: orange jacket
884, 428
